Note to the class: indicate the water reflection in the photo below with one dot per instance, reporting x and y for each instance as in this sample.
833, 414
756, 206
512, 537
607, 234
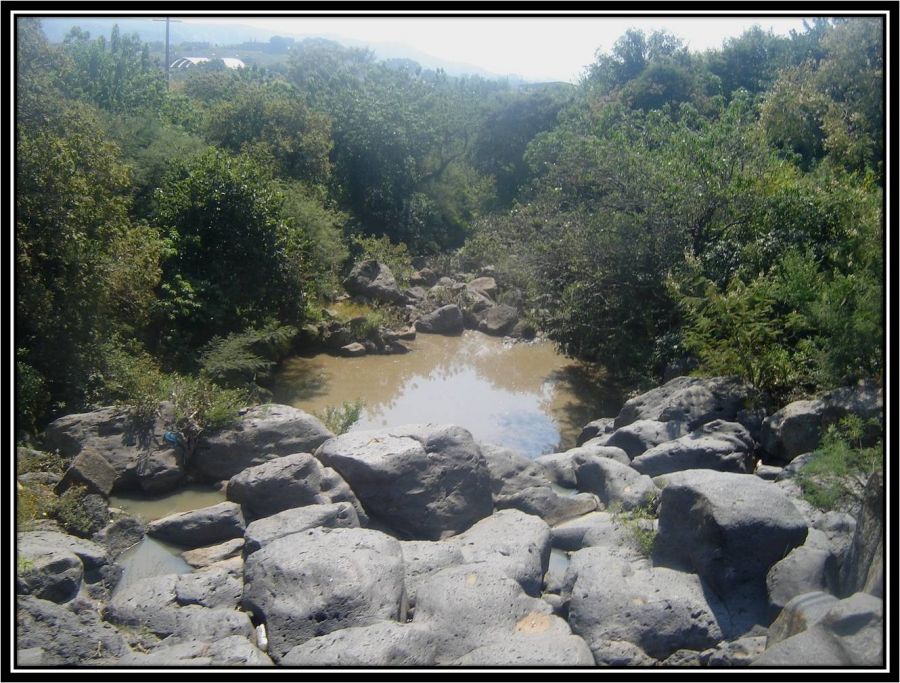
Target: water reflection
524, 396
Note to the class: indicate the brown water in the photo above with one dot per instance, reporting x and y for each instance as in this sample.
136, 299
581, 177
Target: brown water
187, 498
524, 396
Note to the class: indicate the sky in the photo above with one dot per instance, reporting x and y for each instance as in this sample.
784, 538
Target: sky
554, 48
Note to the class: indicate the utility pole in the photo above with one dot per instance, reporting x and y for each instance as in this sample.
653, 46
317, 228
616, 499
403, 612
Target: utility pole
168, 59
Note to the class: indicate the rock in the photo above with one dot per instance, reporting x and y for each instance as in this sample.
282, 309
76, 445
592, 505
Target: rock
693, 400
204, 557
91, 470
599, 427
385, 643
237, 651
445, 320
425, 481
641, 435
287, 482
322, 580
613, 482
801, 612
121, 533
560, 467
50, 479
798, 427
544, 502
210, 587
595, 529
353, 350
194, 622
267, 529
408, 334
231, 651
471, 606
265, 432
67, 638
373, 280
803, 570
510, 471
516, 543
92, 555
204, 526
497, 320
657, 609
717, 445
421, 559
561, 651
424, 277
686, 658
148, 604
160, 471
729, 528
767, 472
863, 566
740, 652
483, 285
850, 634
94, 515
620, 653
48, 574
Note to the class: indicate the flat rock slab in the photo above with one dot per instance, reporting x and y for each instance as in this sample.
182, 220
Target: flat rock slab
424, 481
288, 482
321, 580
657, 609
295, 520
201, 527
729, 528
717, 445
265, 432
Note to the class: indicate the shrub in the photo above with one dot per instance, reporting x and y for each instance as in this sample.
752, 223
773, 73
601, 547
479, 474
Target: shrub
637, 522
394, 256
72, 514
339, 419
34, 502
240, 358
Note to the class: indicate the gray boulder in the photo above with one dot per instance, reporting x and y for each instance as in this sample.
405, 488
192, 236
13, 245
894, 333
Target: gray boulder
472, 606
516, 543
421, 559
850, 634
212, 554
560, 467
194, 622
148, 604
322, 580
234, 650
353, 350
48, 574
295, 520
740, 652
510, 471
91, 470
497, 320
209, 587
863, 566
798, 427
546, 503
385, 643
373, 280
717, 445
804, 570
69, 638
800, 612
483, 285
527, 650
657, 609
160, 470
641, 435
729, 528
92, 555
595, 529
599, 427
614, 483
693, 400
290, 481
265, 432
425, 481
196, 528
444, 320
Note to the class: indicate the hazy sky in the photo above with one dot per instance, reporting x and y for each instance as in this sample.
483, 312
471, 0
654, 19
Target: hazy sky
537, 48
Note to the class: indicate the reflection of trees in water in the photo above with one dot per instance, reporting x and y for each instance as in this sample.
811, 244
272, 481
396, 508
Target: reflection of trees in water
299, 379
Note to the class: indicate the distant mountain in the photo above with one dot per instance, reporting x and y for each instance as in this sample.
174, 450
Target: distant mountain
56, 28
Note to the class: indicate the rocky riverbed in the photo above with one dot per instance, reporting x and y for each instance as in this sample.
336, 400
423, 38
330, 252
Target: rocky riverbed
679, 532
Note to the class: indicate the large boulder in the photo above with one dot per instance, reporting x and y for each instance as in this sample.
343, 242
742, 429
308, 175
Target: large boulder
641, 435
798, 427
497, 320
287, 482
850, 634
161, 470
729, 528
421, 559
483, 285
595, 529
800, 612
716, 445
373, 280
66, 637
444, 320
214, 587
863, 566
148, 604
614, 483
204, 526
516, 543
657, 609
385, 643
560, 467
295, 520
236, 650
546, 503
475, 606
425, 481
47, 573
321, 580
692, 400
90, 470
265, 432
805, 570
92, 555
599, 427
212, 554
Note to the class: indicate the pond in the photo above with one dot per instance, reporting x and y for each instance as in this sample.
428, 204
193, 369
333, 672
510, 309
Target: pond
525, 396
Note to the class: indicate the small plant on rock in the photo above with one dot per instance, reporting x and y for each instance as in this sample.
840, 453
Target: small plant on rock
339, 419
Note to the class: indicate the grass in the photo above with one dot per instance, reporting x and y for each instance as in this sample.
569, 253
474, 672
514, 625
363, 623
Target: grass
339, 419
634, 521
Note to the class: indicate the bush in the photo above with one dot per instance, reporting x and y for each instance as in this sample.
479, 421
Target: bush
240, 359
34, 502
836, 475
339, 419
72, 514
394, 256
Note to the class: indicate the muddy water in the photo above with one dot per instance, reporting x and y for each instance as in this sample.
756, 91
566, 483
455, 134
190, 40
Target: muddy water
523, 396
187, 498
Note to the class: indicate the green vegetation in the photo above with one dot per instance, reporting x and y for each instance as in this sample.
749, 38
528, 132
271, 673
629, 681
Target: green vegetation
726, 206
339, 419
835, 476
639, 523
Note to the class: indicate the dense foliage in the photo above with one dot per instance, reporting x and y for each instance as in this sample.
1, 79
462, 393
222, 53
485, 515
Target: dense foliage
724, 206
